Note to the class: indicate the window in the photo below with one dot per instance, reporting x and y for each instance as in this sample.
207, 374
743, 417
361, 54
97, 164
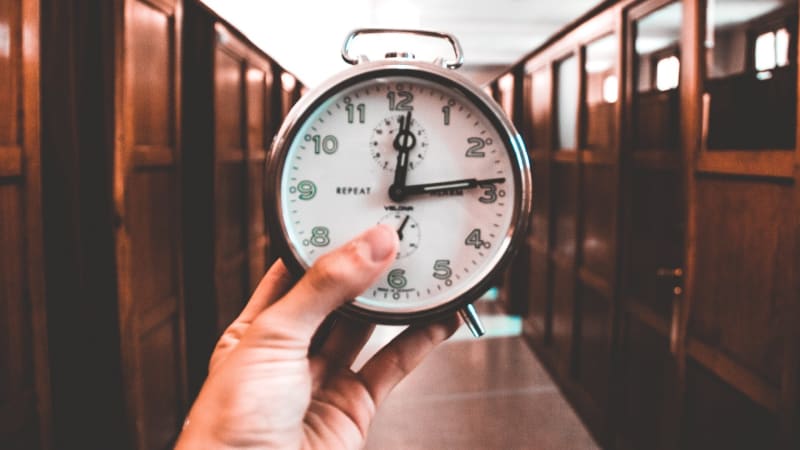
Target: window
610, 89
566, 103
772, 50
667, 73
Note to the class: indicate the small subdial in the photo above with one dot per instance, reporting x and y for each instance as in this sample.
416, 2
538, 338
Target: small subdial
407, 232
381, 143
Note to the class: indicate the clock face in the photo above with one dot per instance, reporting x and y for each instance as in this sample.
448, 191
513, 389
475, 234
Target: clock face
452, 170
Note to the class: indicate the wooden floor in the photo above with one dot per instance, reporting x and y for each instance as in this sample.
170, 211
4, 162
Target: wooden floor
488, 393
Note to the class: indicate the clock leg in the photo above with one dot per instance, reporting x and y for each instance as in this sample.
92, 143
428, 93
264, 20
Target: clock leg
470, 317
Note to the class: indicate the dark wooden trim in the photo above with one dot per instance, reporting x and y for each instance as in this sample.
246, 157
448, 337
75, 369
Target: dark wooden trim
760, 163
648, 317
231, 155
10, 161
734, 374
596, 283
564, 156
163, 6
230, 263
15, 414
166, 309
31, 101
537, 245
656, 159
593, 158
152, 156
790, 381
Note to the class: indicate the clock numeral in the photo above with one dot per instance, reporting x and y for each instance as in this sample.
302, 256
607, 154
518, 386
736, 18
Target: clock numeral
319, 237
474, 239
307, 190
490, 193
442, 271
477, 144
351, 111
329, 144
397, 278
404, 103
446, 111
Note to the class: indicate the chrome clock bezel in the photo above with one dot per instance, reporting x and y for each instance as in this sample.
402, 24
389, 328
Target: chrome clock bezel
514, 145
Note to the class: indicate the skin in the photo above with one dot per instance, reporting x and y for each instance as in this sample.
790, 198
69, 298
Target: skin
265, 390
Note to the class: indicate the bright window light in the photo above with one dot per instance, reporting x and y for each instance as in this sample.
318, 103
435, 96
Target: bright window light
668, 73
610, 89
782, 47
288, 81
765, 51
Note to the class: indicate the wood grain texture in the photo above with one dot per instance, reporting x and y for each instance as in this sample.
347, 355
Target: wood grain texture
25, 396
147, 199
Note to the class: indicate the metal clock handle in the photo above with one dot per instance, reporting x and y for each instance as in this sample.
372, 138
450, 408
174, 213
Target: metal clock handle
470, 317
455, 63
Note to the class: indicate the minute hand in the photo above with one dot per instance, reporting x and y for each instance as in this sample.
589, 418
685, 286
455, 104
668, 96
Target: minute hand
467, 183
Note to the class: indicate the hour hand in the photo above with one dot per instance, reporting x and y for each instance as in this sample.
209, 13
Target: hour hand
403, 143
443, 186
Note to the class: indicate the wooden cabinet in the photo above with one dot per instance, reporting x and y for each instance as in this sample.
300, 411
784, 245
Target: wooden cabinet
24, 375
665, 242
231, 109
111, 141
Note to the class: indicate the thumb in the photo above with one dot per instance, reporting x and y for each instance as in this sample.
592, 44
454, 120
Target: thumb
335, 278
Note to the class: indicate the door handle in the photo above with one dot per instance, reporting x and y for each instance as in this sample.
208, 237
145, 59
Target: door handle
675, 274
665, 272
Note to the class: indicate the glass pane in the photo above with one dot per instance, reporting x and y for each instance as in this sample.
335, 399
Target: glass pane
506, 86
782, 47
765, 51
751, 74
602, 93
668, 72
657, 77
540, 108
566, 103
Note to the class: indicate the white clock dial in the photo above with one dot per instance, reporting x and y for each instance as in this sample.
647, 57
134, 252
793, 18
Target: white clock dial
457, 201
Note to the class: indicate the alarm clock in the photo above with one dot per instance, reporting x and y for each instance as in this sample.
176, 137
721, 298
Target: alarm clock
411, 144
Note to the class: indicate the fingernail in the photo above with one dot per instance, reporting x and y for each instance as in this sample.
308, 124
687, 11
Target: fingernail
382, 241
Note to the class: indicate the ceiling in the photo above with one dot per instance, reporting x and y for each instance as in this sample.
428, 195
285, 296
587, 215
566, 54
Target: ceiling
305, 36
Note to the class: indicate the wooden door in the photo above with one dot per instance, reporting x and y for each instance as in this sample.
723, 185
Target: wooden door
24, 379
739, 353
595, 295
654, 221
564, 176
536, 128
231, 271
259, 137
147, 201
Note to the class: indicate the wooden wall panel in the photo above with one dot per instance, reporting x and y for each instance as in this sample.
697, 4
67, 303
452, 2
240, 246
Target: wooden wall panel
594, 356
230, 201
644, 375
719, 416
232, 107
538, 297
147, 197
161, 369
259, 98
562, 297
10, 69
152, 114
745, 266
598, 238
564, 187
154, 262
655, 239
24, 373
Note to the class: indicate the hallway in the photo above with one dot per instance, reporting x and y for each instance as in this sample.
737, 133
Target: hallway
488, 393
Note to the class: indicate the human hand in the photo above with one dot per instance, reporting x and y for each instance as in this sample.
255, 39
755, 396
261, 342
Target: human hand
265, 390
